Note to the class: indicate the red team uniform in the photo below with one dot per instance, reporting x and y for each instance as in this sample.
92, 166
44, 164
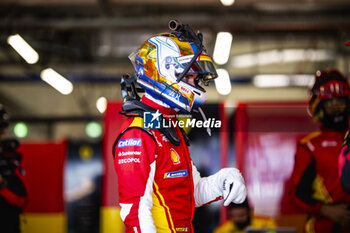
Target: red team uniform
315, 185
157, 180
315, 177
344, 159
159, 186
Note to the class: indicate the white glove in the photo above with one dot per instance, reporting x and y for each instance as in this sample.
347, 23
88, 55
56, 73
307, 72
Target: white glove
227, 183
233, 186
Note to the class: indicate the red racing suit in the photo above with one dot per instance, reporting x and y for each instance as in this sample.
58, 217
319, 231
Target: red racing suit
315, 178
159, 187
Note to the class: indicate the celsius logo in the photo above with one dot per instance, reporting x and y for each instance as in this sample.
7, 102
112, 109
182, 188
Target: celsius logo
130, 142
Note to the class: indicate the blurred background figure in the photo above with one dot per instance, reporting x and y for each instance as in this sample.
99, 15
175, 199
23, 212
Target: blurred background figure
241, 217
344, 159
315, 186
13, 195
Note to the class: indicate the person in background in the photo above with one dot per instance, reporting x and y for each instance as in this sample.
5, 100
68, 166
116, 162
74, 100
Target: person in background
344, 159
241, 217
13, 195
315, 185
159, 186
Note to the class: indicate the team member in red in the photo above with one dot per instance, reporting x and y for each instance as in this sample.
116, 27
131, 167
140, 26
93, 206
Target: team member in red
344, 159
13, 196
159, 186
316, 188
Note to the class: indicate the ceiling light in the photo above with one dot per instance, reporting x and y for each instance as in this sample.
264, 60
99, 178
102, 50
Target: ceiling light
222, 47
93, 129
282, 80
227, 2
57, 81
271, 80
23, 49
281, 56
101, 104
20, 130
303, 80
223, 82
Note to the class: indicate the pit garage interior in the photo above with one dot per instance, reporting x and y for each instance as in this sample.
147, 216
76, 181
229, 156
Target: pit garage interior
66, 138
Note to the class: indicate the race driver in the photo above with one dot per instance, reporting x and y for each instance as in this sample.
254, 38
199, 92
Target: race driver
315, 186
159, 186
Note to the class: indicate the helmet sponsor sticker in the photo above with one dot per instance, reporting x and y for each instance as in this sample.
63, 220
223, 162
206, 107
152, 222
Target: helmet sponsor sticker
184, 59
176, 174
130, 142
185, 90
175, 95
204, 57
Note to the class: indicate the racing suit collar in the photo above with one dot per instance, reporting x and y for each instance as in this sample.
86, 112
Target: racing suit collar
168, 113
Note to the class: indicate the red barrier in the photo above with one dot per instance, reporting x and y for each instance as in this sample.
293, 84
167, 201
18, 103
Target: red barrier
266, 136
43, 163
112, 123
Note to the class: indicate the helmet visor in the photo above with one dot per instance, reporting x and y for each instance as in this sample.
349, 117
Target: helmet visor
132, 58
206, 71
203, 66
332, 89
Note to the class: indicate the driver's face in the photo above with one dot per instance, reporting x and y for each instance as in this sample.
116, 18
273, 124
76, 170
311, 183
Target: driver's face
335, 106
239, 215
189, 78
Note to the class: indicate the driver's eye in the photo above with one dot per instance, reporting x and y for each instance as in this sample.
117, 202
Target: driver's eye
191, 76
190, 79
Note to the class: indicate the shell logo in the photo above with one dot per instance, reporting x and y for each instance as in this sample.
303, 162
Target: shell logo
174, 156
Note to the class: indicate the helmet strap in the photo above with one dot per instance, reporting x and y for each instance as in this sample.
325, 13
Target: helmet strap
205, 119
